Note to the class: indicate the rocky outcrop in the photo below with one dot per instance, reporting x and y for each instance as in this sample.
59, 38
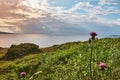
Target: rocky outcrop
17, 51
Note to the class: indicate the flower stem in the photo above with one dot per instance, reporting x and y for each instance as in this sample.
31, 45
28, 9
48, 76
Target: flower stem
91, 74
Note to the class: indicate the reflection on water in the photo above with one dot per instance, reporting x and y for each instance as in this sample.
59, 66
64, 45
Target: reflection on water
6, 40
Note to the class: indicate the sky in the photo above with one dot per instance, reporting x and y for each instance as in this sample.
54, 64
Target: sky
60, 17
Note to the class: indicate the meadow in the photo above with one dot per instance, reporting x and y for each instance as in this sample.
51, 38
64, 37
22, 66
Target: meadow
68, 61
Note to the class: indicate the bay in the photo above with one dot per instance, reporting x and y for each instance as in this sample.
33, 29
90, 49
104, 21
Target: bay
6, 40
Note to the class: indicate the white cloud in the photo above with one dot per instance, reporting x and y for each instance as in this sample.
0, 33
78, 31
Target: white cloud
116, 22
81, 5
94, 10
109, 2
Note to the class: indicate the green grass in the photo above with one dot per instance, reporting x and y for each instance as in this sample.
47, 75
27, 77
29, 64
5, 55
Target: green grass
69, 61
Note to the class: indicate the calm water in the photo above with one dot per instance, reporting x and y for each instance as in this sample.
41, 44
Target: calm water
6, 40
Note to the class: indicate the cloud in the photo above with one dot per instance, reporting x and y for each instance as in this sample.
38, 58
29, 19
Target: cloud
21, 16
109, 2
52, 26
94, 10
116, 22
13, 15
9, 20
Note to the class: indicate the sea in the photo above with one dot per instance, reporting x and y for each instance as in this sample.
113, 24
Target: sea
6, 40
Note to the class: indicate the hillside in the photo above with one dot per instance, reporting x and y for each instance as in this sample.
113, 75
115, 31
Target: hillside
68, 61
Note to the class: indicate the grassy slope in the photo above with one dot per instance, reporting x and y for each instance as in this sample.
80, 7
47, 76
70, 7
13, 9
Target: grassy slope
68, 61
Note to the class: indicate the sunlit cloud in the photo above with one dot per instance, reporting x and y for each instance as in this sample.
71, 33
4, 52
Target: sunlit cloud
6, 30
31, 3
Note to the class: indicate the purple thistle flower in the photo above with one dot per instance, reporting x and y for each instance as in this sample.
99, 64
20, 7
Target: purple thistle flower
93, 34
102, 65
23, 74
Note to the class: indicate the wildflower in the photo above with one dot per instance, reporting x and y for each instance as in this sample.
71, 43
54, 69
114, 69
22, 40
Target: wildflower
93, 34
23, 74
102, 65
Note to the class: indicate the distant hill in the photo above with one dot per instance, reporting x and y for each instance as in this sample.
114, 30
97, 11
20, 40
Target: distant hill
115, 36
5, 32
